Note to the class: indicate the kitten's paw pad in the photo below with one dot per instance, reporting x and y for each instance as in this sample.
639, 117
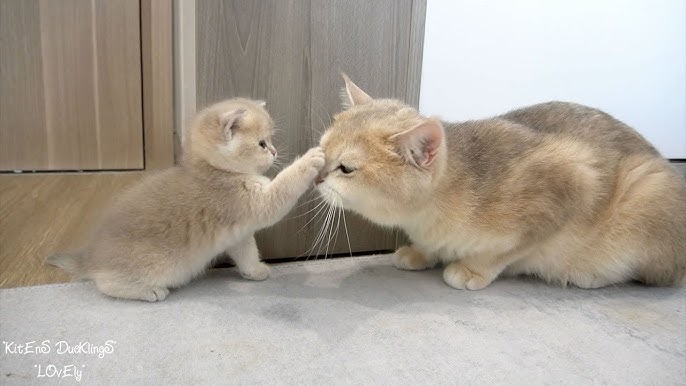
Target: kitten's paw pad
408, 258
155, 294
458, 276
257, 272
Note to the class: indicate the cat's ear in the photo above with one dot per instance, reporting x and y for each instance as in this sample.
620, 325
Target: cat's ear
229, 122
353, 95
420, 144
261, 103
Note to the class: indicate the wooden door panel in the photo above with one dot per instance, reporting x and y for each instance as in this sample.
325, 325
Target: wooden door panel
119, 95
23, 137
83, 85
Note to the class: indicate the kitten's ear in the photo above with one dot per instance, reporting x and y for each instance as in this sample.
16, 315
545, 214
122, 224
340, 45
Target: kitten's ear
229, 122
261, 103
420, 144
353, 95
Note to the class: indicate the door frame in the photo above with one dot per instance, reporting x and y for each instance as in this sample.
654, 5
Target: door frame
158, 83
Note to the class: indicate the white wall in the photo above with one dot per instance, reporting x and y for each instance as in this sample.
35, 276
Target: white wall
626, 57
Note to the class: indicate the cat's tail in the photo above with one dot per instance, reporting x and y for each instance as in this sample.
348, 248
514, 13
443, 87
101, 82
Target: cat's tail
69, 262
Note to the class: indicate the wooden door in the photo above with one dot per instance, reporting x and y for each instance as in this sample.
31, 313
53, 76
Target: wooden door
70, 83
291, 53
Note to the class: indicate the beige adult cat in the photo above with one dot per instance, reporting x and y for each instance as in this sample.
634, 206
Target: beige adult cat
167, 229
558, 190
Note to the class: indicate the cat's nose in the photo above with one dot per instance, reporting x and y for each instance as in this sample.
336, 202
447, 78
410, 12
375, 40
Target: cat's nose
320, 178
272, 150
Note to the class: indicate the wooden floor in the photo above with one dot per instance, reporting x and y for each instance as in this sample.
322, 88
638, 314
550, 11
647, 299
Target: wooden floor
44, 213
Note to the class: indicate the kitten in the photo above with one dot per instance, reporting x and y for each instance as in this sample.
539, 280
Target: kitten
168, 228
557, 190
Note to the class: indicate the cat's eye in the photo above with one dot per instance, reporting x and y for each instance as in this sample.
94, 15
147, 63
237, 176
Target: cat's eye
346, 169
263, 144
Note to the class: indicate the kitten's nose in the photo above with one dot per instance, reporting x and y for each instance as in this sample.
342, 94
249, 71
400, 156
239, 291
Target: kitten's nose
272, 149
320, 178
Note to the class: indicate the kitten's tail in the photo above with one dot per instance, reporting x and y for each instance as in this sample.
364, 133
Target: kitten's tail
69, 262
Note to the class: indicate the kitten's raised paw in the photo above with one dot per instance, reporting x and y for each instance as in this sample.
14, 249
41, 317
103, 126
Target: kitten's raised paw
257, 272
410, 259
313, 161
458, 276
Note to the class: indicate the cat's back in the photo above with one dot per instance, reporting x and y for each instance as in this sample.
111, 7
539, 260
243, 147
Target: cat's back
164, 200
581, 123
152, 199
493, 148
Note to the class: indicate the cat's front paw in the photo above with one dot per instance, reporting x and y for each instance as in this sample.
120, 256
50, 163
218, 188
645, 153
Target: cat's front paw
312, 162
410, 259
458, 276
257, 272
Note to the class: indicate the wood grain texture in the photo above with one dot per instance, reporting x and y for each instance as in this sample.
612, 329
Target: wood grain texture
118, 63
69, 73
84, 101
291, 53
22, 121
158, 88
41, 214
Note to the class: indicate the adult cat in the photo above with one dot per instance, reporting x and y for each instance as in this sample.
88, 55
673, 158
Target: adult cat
557, 190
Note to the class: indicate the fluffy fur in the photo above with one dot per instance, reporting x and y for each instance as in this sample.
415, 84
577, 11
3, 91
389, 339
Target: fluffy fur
557, 190
168, 228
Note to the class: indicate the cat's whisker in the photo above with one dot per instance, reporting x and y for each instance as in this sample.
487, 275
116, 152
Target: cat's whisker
307, 202
314, 132
327, 228
318, 206
347, 237
335, 233
327, 224
319, 234
278, 121
330, 232
321, 121
325, 110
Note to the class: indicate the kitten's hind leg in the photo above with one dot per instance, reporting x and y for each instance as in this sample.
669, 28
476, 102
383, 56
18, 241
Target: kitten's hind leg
410, 259
112, 286
247, 259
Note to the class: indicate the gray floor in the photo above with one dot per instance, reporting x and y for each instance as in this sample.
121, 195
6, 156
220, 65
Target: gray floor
348, 321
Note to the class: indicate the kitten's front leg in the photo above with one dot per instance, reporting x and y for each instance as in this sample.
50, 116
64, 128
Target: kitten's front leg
275, 199
247, 258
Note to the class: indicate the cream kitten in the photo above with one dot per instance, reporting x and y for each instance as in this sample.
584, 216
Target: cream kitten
558, 190
168, 228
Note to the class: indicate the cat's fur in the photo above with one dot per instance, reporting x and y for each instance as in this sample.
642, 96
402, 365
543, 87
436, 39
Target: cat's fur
557, 190
168, 228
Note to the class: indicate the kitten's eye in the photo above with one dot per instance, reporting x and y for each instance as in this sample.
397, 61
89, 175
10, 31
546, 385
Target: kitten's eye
346, 169
263, 144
